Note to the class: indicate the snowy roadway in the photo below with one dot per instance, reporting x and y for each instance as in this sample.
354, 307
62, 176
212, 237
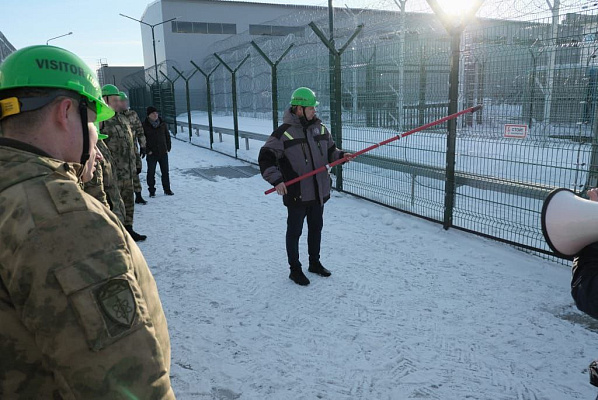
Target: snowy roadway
410, 312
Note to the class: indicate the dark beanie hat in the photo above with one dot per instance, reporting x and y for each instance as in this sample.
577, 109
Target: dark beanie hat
151, 109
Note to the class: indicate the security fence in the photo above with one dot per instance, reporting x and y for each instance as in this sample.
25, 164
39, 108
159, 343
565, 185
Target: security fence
383, 72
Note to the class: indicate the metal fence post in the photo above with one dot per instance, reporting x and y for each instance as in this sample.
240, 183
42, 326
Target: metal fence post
233, 73
188, 100
274, 68
209, 98
172, 81
451, 138
336, 109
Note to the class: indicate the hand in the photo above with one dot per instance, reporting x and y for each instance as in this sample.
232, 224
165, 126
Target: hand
349, 157
281, 188
142, 152
138, 171
593, 194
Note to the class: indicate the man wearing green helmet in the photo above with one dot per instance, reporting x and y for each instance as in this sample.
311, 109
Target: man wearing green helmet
122, 150
80, 316
298, 146
138, 139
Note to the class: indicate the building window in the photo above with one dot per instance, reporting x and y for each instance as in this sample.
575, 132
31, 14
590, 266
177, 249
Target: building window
211, 28
275, 30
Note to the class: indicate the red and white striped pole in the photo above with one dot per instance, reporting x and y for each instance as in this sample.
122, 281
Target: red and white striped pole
375, 146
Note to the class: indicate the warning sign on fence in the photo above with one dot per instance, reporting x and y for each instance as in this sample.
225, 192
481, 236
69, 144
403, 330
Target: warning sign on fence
515, 131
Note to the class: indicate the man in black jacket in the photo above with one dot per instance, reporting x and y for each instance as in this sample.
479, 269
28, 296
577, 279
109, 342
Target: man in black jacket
157, 148
300, 145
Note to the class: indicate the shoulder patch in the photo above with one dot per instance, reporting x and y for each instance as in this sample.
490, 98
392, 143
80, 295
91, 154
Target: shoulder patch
66, 195
117, 302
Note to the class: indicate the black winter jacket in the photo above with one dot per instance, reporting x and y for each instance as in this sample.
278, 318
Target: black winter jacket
293, 150
584, 284
157, 139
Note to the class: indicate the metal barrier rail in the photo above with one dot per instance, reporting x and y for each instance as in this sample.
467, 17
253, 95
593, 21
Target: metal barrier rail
226, 131
525, 189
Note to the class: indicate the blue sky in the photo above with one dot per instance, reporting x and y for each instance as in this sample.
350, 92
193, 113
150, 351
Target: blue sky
99, 32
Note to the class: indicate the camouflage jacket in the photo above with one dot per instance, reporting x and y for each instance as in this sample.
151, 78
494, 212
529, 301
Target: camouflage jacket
121, 145
110, 183
79, 309
136, 126
138, 135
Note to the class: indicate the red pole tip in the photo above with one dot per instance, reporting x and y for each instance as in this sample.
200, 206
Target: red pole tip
476, 108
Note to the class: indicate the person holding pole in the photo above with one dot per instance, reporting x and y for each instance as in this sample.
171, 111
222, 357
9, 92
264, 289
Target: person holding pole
298, 146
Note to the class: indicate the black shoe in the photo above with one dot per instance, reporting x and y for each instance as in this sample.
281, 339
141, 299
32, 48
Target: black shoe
152, 193
139, 199
168, 192
298, 277
136, 237
319, 269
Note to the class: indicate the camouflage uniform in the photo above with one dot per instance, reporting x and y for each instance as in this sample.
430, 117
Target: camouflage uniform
95, 187
104, 186
138, 139
121, 146
79, 309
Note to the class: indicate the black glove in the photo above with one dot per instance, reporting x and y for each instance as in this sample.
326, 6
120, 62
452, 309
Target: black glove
138, 171
142, 152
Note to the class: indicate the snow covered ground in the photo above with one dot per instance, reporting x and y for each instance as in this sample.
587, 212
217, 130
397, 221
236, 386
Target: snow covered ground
410, 312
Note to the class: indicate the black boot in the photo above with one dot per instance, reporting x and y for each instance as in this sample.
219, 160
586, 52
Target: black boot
298, 277
136, 237
152, 192
318, 268
168, 192
139, 199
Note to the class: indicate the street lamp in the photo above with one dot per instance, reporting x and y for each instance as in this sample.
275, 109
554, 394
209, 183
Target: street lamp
454, 15
66, 34
154, 46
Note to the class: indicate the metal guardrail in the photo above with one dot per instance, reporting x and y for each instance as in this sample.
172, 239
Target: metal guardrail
224, 131
525, 189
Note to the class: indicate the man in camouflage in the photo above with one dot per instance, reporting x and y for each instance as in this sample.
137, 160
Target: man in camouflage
138, 142
80, 315
121, 146
103, 185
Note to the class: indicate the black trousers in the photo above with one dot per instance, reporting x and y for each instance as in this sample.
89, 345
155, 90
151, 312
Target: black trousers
152, 160
315, 222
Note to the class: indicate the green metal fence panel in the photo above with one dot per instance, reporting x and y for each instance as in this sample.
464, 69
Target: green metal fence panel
537, 80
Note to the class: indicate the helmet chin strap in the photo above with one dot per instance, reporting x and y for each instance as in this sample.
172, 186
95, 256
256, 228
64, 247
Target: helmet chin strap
83, 114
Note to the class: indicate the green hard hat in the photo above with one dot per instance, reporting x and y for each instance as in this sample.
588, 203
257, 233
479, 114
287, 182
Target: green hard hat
110, 90
50, 67
123, 96
304, 97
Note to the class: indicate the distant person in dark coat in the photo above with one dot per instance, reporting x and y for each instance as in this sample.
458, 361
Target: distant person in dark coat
157, 147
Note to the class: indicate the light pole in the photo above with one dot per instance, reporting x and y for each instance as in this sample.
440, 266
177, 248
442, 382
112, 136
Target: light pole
66, 34
154, 47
